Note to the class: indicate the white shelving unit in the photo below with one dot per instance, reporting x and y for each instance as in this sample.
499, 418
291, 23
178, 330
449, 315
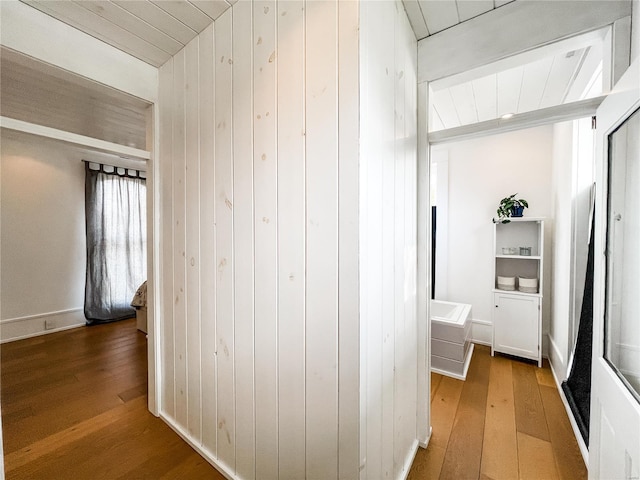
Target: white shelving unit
517, 316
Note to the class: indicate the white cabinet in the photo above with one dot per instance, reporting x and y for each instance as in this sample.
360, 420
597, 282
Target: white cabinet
516, 325
517, 293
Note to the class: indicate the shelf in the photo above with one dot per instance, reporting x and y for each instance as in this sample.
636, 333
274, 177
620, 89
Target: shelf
519, 219
521, 257
517, 292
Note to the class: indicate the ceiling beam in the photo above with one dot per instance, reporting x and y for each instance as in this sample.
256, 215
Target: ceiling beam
544, 116
74, 139
514, 28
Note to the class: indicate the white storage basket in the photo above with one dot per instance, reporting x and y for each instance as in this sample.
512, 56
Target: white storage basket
506, 283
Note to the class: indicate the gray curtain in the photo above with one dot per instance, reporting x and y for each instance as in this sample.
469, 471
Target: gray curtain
116, 219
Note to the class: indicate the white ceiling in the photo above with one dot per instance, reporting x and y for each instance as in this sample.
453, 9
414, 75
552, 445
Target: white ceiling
36, 92
152, 31
565, 72
551, 81
428, 17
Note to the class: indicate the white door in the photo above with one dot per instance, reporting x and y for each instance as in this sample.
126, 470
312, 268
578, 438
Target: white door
614, 440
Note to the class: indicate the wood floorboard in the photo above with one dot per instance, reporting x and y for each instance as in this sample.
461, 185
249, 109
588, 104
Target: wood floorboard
530, 417
436, 378
428, 463
544, 375
74, 406
481, 439
500, 443
464, 451
538, 463
443, 410
569, 461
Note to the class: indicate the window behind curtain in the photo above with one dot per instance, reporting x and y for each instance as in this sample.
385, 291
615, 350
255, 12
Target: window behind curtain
116, 219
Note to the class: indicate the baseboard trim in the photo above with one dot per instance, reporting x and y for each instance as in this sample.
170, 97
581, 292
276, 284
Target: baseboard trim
19, 328
554, 352
203, 452
481, 331
574, 426
410, 459
425, 444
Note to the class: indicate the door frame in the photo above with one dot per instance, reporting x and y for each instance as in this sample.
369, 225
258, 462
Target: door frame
622, 102
437, 58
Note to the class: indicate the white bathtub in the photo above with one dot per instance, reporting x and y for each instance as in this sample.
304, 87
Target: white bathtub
451, 348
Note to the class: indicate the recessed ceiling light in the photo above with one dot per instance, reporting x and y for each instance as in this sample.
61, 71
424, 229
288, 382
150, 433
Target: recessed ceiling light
506, 116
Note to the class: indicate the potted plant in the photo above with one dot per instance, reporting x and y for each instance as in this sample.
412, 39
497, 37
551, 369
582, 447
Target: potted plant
511, 207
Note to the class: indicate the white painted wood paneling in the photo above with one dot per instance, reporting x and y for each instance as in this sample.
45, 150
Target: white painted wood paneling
73, 14
400, 368
224, 198
468, 9
322, 239
207, 240
484, 92
371, 24
562, 72
384, 226
213, 8
179, 240
192, 235
36, 34
187, 13
423, 267
272, 87
465, 102
439, 15
265, 163
243, 238
128, 21
154, 15
414, 12
39, 93
522, 26
149, 30
446, 108
166, 105
508, 84
348, 239
534, 81
291, 238
388, 232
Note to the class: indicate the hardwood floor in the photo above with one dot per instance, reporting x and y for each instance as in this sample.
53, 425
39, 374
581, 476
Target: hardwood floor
506, 421
74, 406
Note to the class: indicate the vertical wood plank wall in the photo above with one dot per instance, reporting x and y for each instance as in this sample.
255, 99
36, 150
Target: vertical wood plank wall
259, 191
388, 241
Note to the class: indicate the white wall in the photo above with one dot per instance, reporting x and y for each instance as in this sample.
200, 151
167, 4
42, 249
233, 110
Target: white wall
388, 235
573, 177
259, 186
260, 241
562, 198
43, 236
481, 172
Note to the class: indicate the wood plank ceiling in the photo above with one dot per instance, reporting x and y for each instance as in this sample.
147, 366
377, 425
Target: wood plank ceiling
154, 30
549, 81
36, 92
552, 80
150, 30
428, 17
